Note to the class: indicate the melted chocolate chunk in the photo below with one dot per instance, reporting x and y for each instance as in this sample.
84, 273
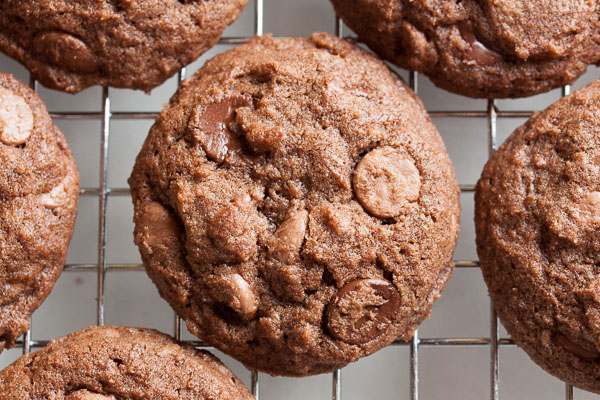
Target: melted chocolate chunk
362, 310
210, 127
65, 50
479, 52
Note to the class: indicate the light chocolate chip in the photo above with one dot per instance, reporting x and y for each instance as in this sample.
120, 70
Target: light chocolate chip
362, 310
210, 127
232, 229
244, 300
385, 181
16, 118
65, 50
289, 237
59, 195
589, 209
159, 225
87, 395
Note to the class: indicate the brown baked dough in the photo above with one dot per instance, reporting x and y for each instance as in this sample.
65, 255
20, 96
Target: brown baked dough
117, 363
295, 205
482, 48
39, 188
538, 236
70, 45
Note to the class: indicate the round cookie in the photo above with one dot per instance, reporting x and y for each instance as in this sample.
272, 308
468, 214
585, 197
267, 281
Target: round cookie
537, 214
71, 45
295, 205
482, 48
110, 363
39, 188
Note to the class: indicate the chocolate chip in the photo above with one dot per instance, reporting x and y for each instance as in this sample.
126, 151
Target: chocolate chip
159, 225
87, 395
587, 210
59, 195
385, 181
478, 52
65, 50
16, 118
210, 127
243, 300
290, 236
232, 230
362, 310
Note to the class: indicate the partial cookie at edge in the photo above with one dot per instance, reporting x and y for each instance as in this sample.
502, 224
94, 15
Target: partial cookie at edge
486, 49
109, 363
70, 46
39, 188
538, 236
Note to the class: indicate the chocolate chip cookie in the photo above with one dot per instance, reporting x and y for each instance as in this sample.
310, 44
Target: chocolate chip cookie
39, 188
538, 236
110, 363
482, 48
70, 45
295, 205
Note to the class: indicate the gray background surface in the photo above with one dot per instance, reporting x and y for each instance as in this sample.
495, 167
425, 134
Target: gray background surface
131, 298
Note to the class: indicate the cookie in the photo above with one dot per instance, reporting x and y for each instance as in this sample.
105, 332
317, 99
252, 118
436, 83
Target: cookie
110, 363
537, 218
482, 48
295, 205
39, 188
71, 45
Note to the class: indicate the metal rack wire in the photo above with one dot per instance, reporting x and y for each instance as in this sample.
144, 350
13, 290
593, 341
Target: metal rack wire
103, 192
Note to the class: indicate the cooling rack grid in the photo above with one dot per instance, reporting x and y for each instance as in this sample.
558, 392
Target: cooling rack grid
492, 114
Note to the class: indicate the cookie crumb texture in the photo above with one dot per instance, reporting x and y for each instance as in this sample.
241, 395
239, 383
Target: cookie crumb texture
538, 236
482, 48
295, 205
113, 363
71, 45
39, 188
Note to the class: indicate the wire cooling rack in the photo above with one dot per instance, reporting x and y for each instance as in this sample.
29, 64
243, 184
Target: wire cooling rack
104, 191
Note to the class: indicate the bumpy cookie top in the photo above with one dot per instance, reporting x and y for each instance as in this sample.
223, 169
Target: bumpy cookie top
295, 204
70, 45
39, 187
111, 363
538, 236
482, 48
